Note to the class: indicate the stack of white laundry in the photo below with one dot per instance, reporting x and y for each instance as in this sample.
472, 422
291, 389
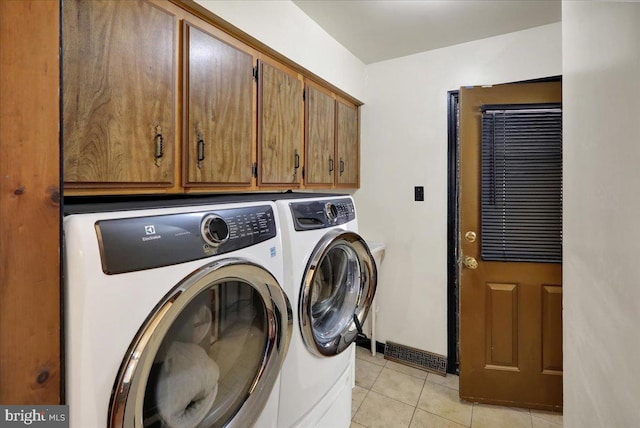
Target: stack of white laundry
187, 384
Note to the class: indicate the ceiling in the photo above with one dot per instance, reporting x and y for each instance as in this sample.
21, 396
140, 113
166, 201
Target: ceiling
377, 30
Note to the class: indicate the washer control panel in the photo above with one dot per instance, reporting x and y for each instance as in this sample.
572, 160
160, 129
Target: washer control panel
133, 244
310, 215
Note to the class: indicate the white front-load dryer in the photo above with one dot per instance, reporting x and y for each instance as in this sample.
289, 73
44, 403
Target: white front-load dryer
175, 315
330, 278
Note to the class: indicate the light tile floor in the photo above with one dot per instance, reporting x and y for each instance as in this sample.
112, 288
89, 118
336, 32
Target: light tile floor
389, 395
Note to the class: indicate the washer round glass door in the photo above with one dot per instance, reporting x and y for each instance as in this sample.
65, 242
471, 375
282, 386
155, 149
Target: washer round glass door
209, 354
336, 293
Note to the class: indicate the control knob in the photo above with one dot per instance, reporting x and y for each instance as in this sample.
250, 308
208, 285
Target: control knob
215, 230
332, 212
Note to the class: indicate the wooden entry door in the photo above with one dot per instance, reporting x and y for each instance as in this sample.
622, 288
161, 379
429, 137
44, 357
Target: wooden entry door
510, 312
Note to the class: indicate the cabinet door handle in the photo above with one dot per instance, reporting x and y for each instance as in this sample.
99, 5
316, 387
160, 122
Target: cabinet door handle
297, 160
159, 140
200, 150
341, 166
330, 165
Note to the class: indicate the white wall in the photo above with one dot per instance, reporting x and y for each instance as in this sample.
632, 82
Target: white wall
281, 25
404, 144
601, 67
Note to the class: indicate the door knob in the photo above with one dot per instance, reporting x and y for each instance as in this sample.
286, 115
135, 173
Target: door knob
470, 236
470, 262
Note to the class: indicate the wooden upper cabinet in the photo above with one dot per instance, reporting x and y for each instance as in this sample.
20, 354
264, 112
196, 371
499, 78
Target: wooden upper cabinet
320, 118
130, 66
280, 126
219, 100
347, 145
119, 81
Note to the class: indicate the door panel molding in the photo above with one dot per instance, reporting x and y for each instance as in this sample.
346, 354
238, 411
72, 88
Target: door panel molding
551, 337
502, 326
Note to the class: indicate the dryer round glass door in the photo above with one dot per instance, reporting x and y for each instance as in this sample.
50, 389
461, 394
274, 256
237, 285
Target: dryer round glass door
209, 354
336, 293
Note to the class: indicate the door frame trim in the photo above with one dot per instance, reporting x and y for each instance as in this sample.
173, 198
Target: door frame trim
453, 236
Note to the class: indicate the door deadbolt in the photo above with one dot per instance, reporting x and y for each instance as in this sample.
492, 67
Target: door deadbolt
470, 236
470, 262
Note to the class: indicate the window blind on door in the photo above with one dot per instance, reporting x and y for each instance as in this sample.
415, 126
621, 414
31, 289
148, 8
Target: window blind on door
521, 199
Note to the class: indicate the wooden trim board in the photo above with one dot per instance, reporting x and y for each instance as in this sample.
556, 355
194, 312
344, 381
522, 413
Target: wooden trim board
30, 368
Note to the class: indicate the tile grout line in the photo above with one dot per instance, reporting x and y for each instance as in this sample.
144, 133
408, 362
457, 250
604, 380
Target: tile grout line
441, 416
445, 418
404, 374
415, 409
425, 380
413, 415
388, 398
360, 405
368, 389
473, 407
546, 420
398, 371
451, 388
397, 401
442, 384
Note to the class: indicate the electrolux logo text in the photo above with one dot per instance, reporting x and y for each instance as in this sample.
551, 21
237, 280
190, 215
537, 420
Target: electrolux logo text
35, 416
150, 231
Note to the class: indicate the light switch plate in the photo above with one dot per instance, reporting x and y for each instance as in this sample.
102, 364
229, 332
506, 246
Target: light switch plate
419, 193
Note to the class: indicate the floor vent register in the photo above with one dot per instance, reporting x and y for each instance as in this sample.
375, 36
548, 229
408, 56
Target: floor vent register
417, 358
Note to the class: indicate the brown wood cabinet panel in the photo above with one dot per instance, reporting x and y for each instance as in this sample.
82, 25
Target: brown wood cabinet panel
29, 202
348, 154
280, 126
219, 110
119, 79
320, 117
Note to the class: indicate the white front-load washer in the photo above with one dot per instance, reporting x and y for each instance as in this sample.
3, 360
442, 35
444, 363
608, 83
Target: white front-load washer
175, 314
330, 278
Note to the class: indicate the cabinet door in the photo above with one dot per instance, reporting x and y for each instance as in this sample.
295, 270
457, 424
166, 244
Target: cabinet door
347, 147
320, 121
218, 110
119, 88
280, 124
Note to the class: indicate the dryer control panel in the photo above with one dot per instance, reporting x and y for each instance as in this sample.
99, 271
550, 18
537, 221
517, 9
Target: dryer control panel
138, 243
309, 215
